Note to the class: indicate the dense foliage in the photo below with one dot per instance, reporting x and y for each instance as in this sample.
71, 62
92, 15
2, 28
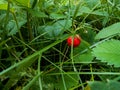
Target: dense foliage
34, 54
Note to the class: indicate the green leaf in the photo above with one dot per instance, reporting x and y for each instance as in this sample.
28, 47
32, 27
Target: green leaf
57, 82
109, 31
100, 13
81, 11
109, 52
88, 35
12, 27
92, 3
4, 6
3, 1
113, 85
56, 29
86, 10
36, 13
109, 85
97, 85
63, 24
70, 81
57, 16
84, 58
25, 3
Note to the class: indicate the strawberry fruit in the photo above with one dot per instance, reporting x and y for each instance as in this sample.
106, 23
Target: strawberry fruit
76, 40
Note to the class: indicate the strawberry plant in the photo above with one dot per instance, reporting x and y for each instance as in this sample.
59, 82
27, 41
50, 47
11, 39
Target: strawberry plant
59, 44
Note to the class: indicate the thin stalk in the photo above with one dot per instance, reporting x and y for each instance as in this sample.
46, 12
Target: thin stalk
27, 59
7, 15
57, 68
61, 65
29, 27
80, 85
72, 58
20, 35
27, 87
25, 44
63, 54
6, 31
39, 71
75, 13
64, 83
89, 13
88, 73
92, 76
81, 79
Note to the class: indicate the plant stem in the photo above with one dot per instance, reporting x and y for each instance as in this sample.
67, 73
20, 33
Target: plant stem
40, 81
20, 35
29, 27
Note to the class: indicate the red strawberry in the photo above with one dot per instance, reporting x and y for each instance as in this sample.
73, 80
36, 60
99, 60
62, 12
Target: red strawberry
76, 40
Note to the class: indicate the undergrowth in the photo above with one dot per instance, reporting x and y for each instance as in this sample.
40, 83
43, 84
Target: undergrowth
34, 54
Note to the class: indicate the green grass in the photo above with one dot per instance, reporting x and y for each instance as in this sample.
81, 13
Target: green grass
34, 54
